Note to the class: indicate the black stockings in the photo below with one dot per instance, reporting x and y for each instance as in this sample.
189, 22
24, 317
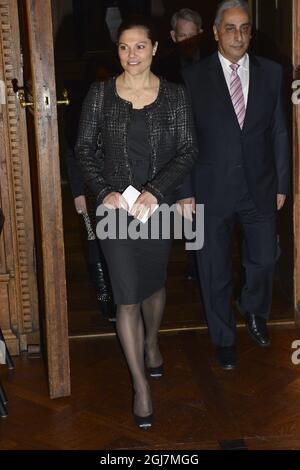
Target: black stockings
141, 343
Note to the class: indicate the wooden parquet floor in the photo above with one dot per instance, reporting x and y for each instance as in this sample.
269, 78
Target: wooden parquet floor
197, 405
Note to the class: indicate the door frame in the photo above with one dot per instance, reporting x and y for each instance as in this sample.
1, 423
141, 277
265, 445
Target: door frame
54, 297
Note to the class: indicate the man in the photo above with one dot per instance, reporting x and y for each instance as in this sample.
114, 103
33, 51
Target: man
186, 30
242, 174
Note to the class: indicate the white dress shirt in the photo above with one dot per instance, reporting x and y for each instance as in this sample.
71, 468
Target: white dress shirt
243, 72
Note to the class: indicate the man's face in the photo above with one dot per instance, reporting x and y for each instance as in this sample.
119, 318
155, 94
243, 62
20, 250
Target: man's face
184, 30
233, 34
186, 35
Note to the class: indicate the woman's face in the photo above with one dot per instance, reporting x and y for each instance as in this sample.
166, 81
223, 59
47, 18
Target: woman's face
136, 50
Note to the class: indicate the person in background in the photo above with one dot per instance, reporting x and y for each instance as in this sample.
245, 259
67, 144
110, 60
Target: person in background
85, 205
186, 32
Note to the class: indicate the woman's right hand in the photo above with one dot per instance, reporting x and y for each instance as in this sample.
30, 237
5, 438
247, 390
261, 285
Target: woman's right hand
115, 200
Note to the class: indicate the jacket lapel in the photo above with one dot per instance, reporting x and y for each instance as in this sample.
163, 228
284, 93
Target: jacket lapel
219, 82
254, 91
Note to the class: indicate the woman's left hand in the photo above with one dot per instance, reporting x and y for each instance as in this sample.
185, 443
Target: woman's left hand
80, 204
146, 202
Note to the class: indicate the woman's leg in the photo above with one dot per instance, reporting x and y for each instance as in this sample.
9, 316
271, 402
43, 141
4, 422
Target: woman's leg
130, 330
153, 309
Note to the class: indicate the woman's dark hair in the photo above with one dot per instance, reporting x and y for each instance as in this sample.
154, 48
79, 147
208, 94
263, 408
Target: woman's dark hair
138, 21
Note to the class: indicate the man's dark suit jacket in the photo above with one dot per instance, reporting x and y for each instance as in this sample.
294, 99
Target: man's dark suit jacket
262, 147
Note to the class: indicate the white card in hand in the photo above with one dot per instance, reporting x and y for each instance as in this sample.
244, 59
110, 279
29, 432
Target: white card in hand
130, 195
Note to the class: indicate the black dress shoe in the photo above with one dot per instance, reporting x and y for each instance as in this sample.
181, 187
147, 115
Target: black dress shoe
257, 329
226, 357
256, 326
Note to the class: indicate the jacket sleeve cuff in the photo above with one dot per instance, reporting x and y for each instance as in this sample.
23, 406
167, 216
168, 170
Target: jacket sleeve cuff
283, 189
151, 189
102, 194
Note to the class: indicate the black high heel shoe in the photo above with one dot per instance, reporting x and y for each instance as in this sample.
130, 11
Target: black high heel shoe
156, 372
144, 422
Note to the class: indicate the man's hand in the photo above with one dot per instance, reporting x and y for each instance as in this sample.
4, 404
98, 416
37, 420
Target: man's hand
280, 201
187, 207
115, 200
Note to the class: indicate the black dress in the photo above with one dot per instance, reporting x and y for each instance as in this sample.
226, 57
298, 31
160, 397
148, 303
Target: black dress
138, 267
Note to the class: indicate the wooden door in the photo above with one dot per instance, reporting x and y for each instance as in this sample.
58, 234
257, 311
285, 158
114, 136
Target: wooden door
19, 318
40, 90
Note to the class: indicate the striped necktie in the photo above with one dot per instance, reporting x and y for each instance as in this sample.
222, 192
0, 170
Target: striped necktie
237, 96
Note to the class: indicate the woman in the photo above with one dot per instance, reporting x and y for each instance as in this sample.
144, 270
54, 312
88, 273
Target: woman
142, 129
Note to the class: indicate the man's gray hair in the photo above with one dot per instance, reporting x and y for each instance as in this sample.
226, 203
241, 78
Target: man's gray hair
188, 15
227, 4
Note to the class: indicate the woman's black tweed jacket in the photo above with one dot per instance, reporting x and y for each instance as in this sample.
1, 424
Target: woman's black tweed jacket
102, 140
